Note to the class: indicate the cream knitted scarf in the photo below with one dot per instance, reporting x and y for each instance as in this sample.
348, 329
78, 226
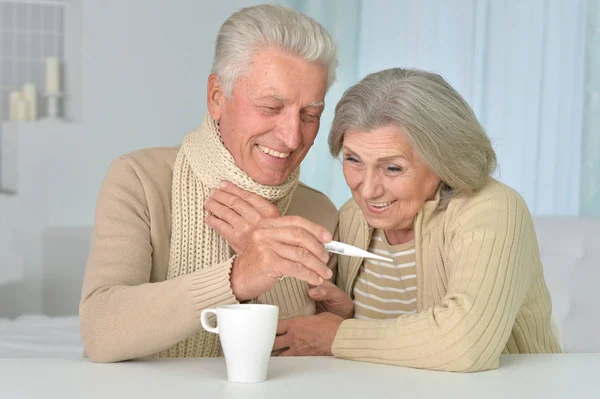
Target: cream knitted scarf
201, 164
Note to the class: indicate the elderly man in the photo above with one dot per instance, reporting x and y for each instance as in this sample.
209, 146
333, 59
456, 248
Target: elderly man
222, 218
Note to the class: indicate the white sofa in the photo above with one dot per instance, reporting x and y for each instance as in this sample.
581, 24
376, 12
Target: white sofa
569, 249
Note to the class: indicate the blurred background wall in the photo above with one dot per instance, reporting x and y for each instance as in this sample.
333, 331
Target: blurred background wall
134, 74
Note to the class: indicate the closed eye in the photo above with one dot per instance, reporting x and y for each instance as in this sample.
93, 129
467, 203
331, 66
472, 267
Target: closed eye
310, 118
270, 110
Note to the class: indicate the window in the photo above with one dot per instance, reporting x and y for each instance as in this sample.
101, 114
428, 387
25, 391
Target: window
30, 31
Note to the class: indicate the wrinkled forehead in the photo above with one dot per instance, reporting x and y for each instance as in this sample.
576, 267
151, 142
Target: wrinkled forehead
284, 77
378, 143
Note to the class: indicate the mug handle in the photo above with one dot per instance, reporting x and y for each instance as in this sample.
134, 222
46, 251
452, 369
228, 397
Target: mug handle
204, 320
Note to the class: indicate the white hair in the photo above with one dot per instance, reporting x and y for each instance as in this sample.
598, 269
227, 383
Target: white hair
252, 28
435, 119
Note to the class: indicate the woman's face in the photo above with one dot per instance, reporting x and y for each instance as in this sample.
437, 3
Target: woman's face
388, 180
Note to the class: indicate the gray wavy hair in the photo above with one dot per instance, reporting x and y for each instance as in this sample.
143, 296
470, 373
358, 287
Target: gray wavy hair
268, 25
434, 118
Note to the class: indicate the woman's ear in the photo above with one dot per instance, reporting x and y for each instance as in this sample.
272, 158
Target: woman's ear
215, 97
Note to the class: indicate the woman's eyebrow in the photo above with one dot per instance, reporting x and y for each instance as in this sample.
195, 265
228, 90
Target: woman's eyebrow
382, 159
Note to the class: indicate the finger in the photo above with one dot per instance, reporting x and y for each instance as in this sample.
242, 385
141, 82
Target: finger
223, 228
327, 290
282, 327
300, 263
317, 293
320, 233
287, 268
298, 237
263, 206
238, 204
281, 342
223, 212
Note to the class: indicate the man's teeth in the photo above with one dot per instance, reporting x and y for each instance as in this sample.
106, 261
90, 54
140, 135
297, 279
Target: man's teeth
272, 152
380, 205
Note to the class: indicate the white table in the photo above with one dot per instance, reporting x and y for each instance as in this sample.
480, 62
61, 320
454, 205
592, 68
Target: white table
571, 376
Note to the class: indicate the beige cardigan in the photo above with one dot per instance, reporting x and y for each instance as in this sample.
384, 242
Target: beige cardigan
128, 308
480, 287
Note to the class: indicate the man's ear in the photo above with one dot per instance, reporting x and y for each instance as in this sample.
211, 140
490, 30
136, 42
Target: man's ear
215, 97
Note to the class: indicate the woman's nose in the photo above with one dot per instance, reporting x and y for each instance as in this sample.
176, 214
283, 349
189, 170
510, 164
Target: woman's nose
371, 186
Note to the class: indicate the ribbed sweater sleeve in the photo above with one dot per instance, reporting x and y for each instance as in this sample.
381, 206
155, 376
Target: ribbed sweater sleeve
123, 315
490, 256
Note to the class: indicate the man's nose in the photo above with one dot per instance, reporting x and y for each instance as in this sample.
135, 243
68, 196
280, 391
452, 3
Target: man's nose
289, 131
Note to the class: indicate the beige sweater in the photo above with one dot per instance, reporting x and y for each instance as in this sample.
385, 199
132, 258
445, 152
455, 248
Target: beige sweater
480, 288
128, 307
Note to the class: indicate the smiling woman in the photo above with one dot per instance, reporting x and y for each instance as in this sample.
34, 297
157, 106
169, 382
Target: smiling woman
372, 165
466, 281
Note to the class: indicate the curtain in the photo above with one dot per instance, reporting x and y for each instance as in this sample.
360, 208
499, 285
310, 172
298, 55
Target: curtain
590, 173
520, 65
341, 19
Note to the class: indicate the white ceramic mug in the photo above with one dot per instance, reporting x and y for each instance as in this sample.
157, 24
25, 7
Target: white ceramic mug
247, 334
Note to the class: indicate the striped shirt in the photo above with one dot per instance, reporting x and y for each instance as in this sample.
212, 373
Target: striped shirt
386, 290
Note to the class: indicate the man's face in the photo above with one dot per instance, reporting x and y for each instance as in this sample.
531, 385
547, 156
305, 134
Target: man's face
272, 118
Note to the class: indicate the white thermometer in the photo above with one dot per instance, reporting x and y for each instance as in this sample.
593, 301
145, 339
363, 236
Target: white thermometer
349, 250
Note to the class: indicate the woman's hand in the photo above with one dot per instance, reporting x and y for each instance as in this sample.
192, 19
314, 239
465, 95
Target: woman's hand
330, 298
307, 336
235, 213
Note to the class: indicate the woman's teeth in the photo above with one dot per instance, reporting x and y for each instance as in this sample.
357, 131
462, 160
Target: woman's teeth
272, 152
380, 205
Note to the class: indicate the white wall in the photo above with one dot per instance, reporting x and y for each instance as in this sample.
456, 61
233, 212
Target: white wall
143, 70
145, 64
47, 170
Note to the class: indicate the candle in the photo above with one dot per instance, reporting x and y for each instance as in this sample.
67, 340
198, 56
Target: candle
15, 96
52, 75
21, 110
30, 96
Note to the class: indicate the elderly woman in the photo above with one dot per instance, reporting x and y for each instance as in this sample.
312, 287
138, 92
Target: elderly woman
466, 282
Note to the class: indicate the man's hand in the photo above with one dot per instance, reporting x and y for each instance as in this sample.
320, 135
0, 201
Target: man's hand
307, 336
287, 246
235, 213
269, 246
330, 298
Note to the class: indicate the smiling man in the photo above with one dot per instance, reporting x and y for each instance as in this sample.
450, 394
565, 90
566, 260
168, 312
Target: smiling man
272, 117
222, 218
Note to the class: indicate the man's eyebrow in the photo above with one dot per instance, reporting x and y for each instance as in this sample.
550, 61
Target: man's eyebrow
273, 97
314, 104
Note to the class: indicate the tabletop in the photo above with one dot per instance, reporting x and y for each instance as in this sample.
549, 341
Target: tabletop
519, 376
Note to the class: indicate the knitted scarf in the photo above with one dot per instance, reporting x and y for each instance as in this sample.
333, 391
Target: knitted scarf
201, 164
